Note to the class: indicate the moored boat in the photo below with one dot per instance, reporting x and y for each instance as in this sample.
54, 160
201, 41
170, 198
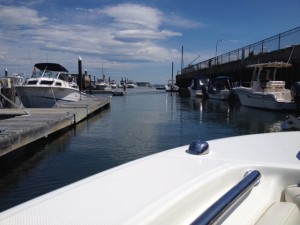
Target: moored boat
291, 122
160, 87
198, 87
252, 178
118, 93
220, 88
265, 91
49, 85
131, 84
171, 86
113, 84
101, 84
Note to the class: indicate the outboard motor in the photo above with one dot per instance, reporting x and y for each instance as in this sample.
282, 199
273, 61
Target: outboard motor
295, 93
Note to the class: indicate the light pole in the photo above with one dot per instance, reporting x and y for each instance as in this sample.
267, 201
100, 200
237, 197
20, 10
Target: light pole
220, 40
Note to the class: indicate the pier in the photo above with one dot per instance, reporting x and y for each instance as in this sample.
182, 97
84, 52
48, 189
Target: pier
27, 125
282, 47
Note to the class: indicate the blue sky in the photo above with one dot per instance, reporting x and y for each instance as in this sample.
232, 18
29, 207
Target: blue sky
134, 39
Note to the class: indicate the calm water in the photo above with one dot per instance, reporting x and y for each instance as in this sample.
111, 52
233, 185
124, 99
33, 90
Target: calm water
143, 122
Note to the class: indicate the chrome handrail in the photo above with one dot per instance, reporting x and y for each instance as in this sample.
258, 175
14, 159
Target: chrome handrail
220, 210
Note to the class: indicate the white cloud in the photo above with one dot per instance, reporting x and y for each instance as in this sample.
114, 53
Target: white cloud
20, 16
134, 16
126, 35
178, 21
144, 34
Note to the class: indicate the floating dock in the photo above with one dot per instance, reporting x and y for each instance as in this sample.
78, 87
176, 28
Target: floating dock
118, 93
95, 91
27, 125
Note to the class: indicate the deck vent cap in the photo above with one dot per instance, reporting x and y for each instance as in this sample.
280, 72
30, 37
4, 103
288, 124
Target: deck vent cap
198, 148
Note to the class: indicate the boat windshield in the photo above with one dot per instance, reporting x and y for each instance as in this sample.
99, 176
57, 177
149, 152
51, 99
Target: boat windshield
45, 73
51, 74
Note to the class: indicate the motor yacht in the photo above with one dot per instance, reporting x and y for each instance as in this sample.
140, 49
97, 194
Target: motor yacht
49, 85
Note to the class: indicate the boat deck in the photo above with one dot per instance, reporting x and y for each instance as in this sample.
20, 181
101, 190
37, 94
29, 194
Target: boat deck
241, 174
27, 125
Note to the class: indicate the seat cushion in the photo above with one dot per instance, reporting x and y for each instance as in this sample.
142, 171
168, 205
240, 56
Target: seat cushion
292, 194
280, 213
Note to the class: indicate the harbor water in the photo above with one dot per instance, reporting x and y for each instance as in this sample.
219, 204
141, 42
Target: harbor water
143, 122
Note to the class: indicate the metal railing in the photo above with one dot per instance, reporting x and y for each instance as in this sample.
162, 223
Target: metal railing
274, 43
224, 205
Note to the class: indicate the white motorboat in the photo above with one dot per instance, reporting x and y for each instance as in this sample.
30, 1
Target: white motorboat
291, 122
251, 179
131, 84
265, 91
113, 84
101, 84
220, 88
171, 86
49, 85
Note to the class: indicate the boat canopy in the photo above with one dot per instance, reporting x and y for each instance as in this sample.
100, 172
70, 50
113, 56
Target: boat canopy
50, 67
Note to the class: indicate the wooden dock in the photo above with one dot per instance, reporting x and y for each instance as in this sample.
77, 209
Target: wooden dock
30, 124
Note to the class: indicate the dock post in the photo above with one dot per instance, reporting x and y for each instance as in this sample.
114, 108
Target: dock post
6, 72
90, 84
80, 73
85, 77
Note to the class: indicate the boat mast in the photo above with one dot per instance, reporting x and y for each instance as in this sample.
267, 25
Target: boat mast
172, 79
103, 76
181, 58
172, 72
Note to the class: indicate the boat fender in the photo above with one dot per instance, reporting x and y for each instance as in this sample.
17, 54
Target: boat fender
198, 148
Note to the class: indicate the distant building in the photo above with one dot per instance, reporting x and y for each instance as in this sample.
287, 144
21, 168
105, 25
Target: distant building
143, 84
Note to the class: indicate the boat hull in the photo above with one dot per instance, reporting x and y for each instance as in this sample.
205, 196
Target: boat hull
262, 100
173, 88
47, 97
102, 87
222, 95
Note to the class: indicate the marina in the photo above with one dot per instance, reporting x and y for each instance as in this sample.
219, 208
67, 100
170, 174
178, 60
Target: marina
153, 121
142, 122
96, 127
83, 162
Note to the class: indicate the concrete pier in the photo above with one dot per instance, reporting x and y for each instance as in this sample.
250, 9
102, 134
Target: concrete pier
31, 124
281, 47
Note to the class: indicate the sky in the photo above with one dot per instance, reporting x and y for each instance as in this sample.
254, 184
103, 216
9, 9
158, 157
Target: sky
138, 40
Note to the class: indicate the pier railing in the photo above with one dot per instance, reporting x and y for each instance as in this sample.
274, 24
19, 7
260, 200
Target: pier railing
274, 43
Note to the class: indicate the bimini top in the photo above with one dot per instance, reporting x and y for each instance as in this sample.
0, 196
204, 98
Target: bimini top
50, 67
271, 65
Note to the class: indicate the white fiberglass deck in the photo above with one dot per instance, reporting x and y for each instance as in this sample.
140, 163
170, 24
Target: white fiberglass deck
172, 187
